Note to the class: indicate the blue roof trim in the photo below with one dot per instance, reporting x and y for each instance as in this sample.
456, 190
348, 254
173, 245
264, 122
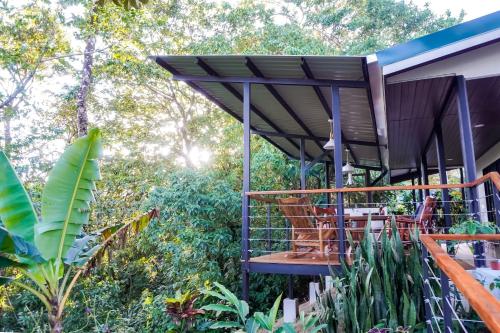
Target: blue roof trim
439, 39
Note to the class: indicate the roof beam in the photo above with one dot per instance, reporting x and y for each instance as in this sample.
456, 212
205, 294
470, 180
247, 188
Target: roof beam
256, 71
306, 137
237, 94
279, 81
316, 160
382, 174
324, 103
372, 110
216, 102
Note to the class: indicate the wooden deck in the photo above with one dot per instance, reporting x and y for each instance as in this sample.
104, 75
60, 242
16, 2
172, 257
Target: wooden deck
303, 259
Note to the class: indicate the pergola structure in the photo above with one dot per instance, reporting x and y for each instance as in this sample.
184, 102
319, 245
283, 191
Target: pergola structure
405, 112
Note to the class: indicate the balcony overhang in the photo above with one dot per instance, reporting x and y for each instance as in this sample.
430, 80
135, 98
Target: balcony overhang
291, 99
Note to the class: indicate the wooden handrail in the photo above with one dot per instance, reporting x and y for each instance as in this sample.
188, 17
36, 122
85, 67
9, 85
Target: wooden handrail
464, 237
494, 177
481, 300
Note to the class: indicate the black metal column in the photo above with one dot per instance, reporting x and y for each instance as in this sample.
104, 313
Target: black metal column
442, 175
303, 184
467, 142
327, 181
468, 158
246, 188
445, 297
462, 180
425, 173
337, 157
369, 195
419, 182
427, 287
413, 195
496, 204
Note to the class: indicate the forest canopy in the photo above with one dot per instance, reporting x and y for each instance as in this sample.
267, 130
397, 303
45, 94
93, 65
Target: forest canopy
67, 65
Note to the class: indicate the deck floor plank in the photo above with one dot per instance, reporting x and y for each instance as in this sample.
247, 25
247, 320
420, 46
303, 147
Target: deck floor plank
304, 259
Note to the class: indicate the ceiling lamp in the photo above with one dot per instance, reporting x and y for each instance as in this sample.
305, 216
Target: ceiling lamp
348, 169
330, 145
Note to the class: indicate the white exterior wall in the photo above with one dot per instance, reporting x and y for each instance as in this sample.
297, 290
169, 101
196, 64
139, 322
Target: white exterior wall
476, 63
488, 158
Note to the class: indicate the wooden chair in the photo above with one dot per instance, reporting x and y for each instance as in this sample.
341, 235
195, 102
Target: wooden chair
423, 220
357, 228
305, 232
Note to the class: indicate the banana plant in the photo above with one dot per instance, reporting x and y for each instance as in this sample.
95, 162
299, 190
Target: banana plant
51, 249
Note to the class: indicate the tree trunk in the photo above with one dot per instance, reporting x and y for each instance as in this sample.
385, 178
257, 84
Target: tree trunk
81, 102
55, 321
7, 141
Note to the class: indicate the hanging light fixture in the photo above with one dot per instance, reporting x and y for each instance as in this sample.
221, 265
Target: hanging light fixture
348, 169
330, 145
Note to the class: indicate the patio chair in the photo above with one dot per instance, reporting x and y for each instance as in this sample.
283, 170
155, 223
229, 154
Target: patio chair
423, 220
305, 232
357, 228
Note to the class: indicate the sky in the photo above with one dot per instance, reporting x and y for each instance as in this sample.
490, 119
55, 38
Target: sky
473, 8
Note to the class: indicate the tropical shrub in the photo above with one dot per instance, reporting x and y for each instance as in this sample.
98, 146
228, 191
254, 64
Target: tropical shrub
258, 322
382, 288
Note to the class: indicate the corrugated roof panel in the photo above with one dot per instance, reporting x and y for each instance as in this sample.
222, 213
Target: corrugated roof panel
303, 101
337, 68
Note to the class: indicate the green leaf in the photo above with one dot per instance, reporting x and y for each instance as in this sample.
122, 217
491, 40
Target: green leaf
225, 324
229, 295
25, 251
263, 320
318, 328
219, 308
16, 210
251, 326
214, 294
80, 252
288, 328
67, 195
274, 311
6, 262
5, 280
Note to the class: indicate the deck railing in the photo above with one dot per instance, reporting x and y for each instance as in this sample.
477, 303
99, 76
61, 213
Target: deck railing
455, 299
270, 232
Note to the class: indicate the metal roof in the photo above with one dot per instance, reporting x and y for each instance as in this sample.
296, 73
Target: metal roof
284, 113
414, 106
439, 39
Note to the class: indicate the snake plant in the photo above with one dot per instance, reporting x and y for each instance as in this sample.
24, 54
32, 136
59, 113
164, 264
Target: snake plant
382, 288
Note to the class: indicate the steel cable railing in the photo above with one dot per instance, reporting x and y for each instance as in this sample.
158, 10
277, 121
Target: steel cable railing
270, 230
464, 304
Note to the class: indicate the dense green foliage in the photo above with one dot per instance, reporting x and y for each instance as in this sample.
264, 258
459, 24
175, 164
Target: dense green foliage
166, 146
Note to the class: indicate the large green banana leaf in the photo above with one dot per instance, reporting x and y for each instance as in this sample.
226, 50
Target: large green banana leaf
16, 210
16, 246
67, 195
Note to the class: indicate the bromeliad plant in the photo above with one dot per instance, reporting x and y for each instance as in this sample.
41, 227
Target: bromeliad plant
182, 310
49, 250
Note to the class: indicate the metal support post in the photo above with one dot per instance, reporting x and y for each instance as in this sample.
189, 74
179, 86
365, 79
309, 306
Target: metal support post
246, 188
445, 297
427, 288
337, 157
442, 176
